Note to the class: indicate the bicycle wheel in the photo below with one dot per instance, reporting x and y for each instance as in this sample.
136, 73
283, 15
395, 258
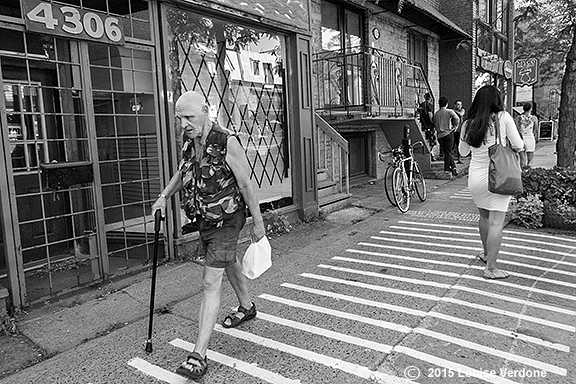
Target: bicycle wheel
388, 185
401, 189
419, 183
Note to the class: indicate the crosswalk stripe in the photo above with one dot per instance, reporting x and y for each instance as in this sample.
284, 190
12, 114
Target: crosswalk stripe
327, 333
383, 347
328, 361
501, 331
438, 225
448, 286
526, 276
446, 299
546, 269
436, 335
544, 236
157, 372
449, 274
471, 257
463, 370
531, 234
493, 351
335, 313
240, 365
485, 327
477, 235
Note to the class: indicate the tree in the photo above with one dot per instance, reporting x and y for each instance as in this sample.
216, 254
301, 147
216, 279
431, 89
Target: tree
551, 36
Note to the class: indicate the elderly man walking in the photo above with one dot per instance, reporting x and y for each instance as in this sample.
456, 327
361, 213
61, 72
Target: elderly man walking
446, 121
215, 177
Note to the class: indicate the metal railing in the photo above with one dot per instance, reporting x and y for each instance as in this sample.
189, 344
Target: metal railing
369, 81
332, 151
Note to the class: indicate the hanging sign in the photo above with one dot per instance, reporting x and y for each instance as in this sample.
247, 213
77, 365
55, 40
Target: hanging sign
526, 72
70, 21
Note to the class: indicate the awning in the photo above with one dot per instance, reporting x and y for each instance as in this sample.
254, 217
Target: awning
438, 16
423, 14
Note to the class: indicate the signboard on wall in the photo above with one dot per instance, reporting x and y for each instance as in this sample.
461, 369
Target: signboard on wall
72, 22
526, 72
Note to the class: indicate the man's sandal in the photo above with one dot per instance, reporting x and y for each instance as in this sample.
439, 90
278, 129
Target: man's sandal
241, 315
194, 367
495, 274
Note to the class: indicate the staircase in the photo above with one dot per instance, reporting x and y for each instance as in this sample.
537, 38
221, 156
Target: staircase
332, 172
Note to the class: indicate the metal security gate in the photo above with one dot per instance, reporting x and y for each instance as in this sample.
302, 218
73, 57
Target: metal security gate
81, 161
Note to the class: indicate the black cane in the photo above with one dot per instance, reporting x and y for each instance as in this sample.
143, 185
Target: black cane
157, 219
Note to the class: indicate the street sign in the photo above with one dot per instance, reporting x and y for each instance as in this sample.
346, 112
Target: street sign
526, 72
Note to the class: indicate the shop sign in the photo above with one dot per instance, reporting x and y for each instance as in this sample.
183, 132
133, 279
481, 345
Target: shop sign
70, 21
508, 69
526, 72
491, 63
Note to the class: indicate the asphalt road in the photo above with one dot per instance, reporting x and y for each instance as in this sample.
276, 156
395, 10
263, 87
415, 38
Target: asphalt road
373, 296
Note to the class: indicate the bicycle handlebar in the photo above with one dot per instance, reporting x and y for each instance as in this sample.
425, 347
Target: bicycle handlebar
399, 150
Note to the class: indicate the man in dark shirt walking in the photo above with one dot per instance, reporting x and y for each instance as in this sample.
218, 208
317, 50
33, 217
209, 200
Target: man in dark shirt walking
445, 122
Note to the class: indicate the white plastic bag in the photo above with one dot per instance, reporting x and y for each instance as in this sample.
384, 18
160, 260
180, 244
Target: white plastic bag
257, 259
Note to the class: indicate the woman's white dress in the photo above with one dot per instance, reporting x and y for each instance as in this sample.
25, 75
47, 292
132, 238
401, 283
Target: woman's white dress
478, 171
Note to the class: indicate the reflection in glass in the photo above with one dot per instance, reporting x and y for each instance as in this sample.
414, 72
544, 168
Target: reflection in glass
240, 72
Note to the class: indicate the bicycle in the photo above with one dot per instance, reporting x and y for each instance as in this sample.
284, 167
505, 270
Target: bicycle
406, 177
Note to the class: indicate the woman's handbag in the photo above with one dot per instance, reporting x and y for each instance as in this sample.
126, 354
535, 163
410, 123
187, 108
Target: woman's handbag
504, 171
257, 258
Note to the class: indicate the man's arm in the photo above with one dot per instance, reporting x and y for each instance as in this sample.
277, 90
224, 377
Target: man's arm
236, 159
455, 120
173, 186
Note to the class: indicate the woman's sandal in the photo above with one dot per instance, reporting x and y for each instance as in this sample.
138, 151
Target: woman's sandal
495, 274
194, 367
241, 315
482, 257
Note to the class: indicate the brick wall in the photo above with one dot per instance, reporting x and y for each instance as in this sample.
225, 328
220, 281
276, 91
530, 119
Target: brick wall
457, 62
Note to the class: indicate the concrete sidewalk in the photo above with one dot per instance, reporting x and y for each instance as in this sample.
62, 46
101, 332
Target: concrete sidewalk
64, 324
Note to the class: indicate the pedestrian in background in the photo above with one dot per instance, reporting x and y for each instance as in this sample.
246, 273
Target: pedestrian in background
478, 134
426, 112
215, 176
460, 111
445, 122
527, 126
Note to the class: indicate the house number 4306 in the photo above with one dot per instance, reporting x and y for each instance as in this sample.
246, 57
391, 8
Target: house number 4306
73, 22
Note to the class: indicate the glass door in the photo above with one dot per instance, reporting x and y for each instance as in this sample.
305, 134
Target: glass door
46, 125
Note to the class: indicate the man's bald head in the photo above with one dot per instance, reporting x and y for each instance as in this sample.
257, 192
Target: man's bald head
189, 99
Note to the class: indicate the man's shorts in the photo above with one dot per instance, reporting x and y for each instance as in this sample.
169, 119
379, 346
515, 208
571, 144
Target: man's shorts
218, 244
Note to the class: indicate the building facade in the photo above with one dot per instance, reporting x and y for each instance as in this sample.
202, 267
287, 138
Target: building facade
373, 63
89, 137
487, 59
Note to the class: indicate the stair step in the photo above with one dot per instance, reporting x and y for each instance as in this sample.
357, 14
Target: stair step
334, 202
326, 184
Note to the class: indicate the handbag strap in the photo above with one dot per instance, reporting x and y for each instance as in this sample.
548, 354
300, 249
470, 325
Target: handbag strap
498, 137
497, 130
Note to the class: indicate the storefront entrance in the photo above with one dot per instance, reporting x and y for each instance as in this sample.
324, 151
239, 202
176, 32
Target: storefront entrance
82, 161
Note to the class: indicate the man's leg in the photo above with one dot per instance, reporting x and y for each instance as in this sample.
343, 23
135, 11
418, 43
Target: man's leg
239, 283
212, 283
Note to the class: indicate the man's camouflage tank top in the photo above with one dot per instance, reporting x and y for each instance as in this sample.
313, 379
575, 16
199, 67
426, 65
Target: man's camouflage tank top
217, 195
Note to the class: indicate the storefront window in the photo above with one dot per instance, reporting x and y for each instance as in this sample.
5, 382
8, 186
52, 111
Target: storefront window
240, 71
10, 8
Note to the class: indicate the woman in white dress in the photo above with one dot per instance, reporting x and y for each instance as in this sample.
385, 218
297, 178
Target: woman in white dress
478, 133
526, 124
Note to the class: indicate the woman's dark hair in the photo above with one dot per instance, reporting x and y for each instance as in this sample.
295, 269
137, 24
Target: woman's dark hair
527, 107
487, 101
